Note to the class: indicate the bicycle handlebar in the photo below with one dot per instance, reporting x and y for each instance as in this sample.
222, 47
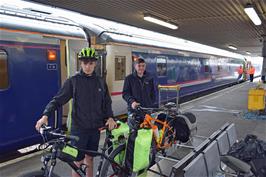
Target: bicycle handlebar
49, 130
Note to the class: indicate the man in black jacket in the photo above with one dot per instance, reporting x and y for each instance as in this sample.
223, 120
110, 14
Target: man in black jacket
138, 90
139, 87
91, 107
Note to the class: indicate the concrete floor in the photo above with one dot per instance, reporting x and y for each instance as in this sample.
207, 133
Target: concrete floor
212, 112
227, 105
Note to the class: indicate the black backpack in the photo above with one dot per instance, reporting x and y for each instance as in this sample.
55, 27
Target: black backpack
252, 151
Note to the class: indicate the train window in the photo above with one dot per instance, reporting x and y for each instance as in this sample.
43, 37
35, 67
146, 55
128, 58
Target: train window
161, 67
120, 67
206, 69
3, 70
219, 68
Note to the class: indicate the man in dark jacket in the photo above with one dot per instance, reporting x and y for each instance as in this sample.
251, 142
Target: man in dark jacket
138, 90
91, 107
139, 87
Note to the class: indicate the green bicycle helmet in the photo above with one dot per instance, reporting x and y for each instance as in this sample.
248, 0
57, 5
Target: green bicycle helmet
87, 54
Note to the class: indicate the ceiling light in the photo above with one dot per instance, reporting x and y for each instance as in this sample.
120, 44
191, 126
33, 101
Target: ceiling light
248, 53
158, 21
232, 47
252, 14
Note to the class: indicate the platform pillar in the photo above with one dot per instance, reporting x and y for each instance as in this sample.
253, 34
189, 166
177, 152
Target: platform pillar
263, 71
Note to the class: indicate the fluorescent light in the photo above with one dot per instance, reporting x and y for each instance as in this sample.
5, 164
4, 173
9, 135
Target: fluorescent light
252, 14
159, 22
248, 53
232, 47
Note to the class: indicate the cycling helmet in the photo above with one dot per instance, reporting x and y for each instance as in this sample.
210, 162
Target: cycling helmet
87, 54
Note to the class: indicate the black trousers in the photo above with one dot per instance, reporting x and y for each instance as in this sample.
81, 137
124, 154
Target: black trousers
251, 76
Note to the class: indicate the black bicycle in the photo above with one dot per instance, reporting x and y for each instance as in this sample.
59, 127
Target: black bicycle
58, 146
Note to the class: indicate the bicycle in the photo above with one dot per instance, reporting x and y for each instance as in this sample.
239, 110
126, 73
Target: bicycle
160, 142
61, 149
162, 124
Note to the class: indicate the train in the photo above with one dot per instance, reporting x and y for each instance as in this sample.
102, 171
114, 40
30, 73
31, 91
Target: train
38, 51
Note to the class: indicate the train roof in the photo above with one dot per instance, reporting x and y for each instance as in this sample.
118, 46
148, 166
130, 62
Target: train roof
120, 33
109, 31
21, 20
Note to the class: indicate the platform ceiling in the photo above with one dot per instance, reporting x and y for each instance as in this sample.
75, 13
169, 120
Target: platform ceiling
217, 23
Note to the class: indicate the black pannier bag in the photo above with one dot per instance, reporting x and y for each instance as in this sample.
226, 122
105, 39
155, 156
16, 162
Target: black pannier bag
179, 124
182, 129
252, 151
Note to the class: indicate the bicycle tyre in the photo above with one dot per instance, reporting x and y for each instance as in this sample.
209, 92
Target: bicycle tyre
113, 154
38, 173
191, 117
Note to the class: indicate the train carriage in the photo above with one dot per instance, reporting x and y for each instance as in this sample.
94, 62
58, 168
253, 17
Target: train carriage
32, 56
38, 52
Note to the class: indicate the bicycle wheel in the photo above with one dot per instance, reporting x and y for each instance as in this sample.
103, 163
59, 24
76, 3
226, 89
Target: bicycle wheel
191, 117
108, 169
38, 173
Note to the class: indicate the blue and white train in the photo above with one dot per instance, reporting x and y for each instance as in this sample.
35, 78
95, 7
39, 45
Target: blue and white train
38, 51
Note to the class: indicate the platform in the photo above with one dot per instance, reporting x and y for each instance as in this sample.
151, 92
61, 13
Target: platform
212, 112
227, 105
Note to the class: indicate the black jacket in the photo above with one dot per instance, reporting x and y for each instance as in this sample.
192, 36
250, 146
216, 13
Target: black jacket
139, 89
91, 102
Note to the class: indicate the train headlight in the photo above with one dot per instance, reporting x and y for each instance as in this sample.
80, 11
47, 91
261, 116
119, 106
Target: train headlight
51, 55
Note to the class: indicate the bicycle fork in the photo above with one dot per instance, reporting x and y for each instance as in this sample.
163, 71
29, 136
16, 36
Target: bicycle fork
48, 170
104, 149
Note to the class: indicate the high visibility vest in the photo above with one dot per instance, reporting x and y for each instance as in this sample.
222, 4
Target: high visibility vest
240, 70
251, 70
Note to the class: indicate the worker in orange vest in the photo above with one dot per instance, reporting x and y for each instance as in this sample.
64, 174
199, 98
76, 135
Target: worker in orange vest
240, 72
251, 72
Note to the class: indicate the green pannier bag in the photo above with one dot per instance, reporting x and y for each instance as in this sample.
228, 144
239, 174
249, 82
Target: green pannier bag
119, 133
142, 149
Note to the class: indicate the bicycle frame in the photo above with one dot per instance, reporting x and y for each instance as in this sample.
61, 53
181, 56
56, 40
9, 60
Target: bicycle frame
149, 122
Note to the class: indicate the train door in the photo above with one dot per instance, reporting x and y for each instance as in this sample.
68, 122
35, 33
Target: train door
71, 67
64, 76
118, 66
29, 78
101, 64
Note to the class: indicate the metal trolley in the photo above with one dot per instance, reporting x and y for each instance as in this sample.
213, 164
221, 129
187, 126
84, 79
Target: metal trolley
168, 93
